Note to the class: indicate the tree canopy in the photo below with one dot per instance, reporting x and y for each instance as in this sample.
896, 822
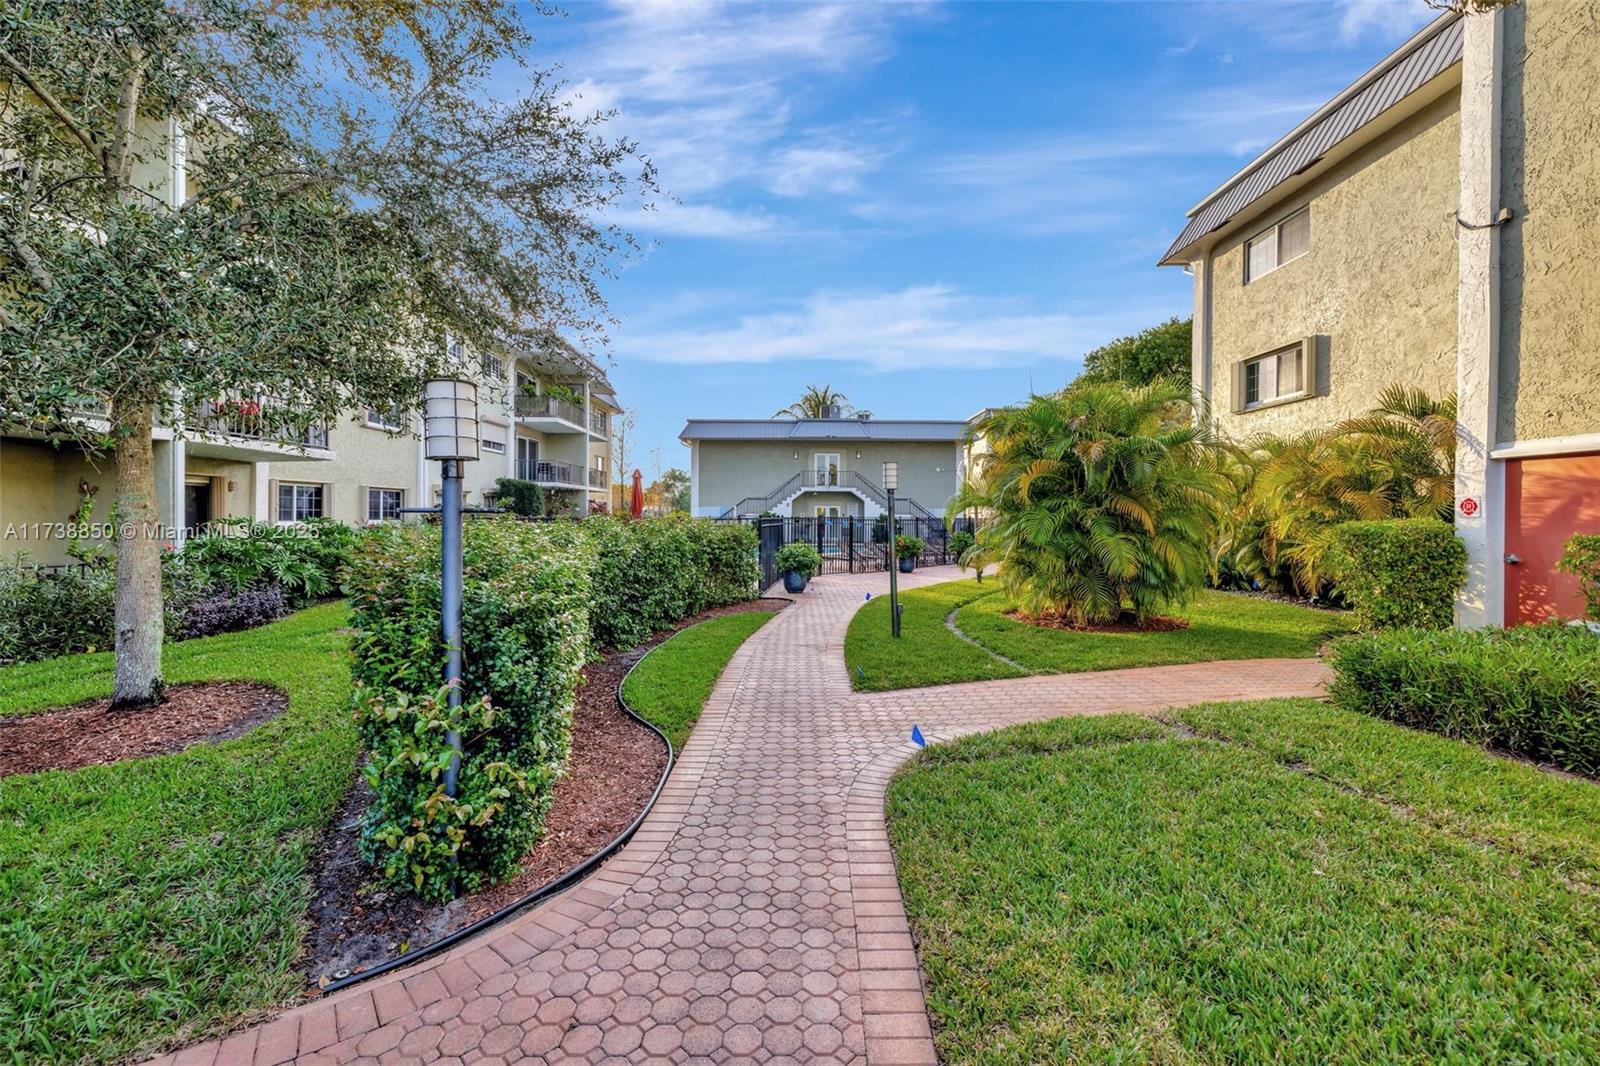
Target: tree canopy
1162, 351
816, 401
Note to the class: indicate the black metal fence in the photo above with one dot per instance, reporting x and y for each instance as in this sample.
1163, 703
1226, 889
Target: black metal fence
849, 545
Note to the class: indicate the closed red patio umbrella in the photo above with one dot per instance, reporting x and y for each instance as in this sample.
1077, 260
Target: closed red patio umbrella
636, 505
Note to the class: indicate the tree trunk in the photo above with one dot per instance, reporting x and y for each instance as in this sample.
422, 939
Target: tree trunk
139, 618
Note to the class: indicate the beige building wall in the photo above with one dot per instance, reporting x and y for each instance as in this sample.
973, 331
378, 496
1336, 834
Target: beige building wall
1378, 285
1549, 381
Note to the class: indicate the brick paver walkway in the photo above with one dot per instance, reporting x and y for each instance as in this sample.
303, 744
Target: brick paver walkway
755, 917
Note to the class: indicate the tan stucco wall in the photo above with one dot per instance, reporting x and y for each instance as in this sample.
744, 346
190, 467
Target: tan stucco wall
1550, 252
1379, 281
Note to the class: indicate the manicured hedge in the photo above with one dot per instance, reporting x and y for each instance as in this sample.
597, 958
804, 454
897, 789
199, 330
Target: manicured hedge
539, 599
1534, 690
1399, 572
525, 625
1581, 558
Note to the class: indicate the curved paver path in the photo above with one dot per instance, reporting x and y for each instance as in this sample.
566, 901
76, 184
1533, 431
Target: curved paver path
755, 917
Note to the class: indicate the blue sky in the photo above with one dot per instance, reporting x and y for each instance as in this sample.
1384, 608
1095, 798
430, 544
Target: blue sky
927, 206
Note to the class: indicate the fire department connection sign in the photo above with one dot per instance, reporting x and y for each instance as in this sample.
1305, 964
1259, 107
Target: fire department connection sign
1469, 506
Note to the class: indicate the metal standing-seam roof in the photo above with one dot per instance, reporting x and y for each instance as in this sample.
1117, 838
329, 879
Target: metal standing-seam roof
822, 429
1425, 56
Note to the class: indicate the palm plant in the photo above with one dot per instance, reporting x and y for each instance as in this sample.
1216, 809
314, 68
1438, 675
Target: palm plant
815, 403
1099, 502
1396, 461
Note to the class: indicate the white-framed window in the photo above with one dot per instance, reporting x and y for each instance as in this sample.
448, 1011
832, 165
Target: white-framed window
494, 368
299, 501
826, 466
1278, 375
1277, 245
498, 447
385, 420
384, 505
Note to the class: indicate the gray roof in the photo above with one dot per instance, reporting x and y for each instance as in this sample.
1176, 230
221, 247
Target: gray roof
822, 429
1430, 53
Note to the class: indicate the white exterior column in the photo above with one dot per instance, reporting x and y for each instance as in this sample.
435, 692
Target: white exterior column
694, 479
1480, 480
262, 511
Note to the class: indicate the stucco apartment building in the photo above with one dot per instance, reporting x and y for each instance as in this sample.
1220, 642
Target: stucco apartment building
1436, 224
545, 417
821, 467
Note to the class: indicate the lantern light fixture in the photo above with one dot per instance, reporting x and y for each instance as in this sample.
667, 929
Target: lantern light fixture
450, 419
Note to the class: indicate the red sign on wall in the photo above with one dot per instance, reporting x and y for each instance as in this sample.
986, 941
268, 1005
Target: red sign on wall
1469, 506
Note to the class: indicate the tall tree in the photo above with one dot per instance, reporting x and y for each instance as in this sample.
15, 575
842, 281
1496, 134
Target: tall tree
356, 202
1162, 351
817, 401
673, 488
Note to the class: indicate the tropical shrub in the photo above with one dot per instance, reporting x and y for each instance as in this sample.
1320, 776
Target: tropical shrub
908, 547
1100, 501
42, 616
727, 565
525, 498
797, 557
1403, 572
961, 542
308, 560
1397, 461
225, 610
1533, 690
525, 626
1582, 559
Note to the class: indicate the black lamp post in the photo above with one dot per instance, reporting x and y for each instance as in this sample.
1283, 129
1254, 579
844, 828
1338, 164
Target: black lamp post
450, 435
891, 481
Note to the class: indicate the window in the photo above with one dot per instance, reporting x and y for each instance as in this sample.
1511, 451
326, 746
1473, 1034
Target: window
298, 502
1287, 241
1275, 376
494, 368
389, 420
826, 466
384, 504
498, 447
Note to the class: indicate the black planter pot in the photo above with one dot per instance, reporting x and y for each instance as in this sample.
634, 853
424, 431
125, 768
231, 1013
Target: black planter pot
907, 565
794, 581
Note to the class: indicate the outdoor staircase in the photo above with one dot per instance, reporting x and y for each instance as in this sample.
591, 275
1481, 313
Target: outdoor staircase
871, 494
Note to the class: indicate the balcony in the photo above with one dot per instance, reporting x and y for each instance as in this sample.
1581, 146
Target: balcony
549, 415
247, 418
553, 474
600, 425
597, 478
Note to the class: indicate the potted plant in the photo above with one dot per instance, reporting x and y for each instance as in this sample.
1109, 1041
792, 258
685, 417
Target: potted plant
960, 544
908, 548
798, 563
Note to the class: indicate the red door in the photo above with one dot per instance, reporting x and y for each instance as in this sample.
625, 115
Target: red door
1547, 501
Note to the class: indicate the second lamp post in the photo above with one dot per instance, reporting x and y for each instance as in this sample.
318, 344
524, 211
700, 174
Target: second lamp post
891, 481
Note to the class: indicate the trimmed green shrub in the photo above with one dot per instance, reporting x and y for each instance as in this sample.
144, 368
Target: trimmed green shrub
727, 559
1399, 572
1534, 690
797, 557
45, 616
1582, 559
960, 543
308, 560
520, 497
525, 627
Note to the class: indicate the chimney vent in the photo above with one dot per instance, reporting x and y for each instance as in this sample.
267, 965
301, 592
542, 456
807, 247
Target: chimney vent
830, 410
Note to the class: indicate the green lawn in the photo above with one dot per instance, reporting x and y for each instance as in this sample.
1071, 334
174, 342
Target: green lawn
927, 653
153, 901
1222, 626
1318, 888
671, 683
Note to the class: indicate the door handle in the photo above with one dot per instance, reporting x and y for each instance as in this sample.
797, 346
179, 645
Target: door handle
1513, 558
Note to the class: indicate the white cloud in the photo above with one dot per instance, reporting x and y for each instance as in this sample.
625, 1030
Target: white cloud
712, 90
925, 326
1387, 19
669, 218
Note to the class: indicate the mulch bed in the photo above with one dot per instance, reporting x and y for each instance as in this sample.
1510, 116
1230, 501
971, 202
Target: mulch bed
1158, 624
91, 734
1285, 597
357, 922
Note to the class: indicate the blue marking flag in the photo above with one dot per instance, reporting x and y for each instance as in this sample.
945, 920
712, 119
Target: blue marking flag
869, 595
917, 738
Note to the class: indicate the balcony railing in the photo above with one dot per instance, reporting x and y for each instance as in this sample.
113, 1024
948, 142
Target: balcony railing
600, 424
548, 407
550, 473
597, 478
249, 417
